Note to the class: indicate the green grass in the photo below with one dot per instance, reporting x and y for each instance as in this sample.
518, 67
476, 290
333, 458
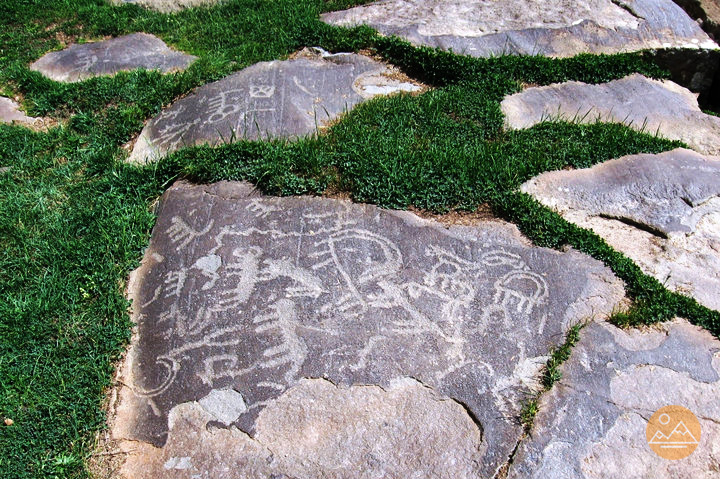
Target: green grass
74, 219
550, 375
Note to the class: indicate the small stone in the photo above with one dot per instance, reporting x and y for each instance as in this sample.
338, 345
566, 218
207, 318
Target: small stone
138, 50
167, 6
559, 28
10, 113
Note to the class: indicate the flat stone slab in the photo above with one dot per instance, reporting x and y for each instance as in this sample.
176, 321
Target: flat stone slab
593, 423
288, 98
167, 6
10, 112
652, 106
317, 429
240, 298
559, 28
138, 50
663, 211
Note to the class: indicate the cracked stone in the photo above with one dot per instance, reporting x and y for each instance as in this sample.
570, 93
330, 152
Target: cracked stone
662, 211
638, 102
593, 423
560, 28
290, 98
138, 50
317, 429
254, 293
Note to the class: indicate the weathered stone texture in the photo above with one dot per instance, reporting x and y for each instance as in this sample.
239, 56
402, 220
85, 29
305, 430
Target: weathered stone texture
592, 424
707, 12
560, 28
638, 102
316, 429
252, 294
10, 113
663, 211
138, 50
272, 99
167, 6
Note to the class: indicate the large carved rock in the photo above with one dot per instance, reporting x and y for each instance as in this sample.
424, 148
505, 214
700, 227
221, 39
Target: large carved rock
240, 297
707, 12
271, 99
593, 423
560, 28
663, 211
638, 102
87, 60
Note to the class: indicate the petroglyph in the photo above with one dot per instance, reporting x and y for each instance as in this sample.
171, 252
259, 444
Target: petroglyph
10, 112
255, 294
289, 98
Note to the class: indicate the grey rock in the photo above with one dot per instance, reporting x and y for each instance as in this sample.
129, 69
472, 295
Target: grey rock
10, 113
225, 405
663, 211
317, 429
138, 50
638, 102
256, 294
559, 28
707, 12
592, 424
271, 99
167, 6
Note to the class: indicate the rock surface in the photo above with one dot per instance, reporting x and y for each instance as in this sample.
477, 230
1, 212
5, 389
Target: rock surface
641, 103
138, 50
10, 113
592, 424
271, 99
316, 429
707, 12
252, 294
663, 211
560, 28
167, 6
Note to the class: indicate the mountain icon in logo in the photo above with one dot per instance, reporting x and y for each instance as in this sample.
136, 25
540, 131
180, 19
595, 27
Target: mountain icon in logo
679, 437
684, 437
